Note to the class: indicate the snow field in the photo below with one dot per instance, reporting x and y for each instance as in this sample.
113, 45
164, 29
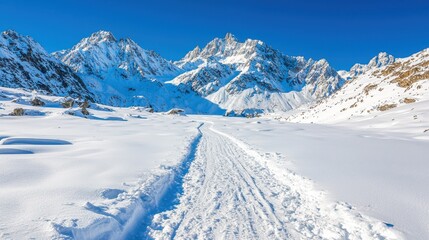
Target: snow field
124, 173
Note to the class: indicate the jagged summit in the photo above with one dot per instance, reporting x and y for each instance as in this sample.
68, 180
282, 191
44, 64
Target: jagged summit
15, 41
379, 61
229, 37
102, 36
11, 33
221, 48
192, 54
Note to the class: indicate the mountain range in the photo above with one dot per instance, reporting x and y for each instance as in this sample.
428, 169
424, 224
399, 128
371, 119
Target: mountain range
226, 76
372, 89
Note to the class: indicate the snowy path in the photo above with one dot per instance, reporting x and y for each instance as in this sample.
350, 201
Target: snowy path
229, 193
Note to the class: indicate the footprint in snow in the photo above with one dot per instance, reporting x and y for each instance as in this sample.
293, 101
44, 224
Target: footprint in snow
111, 193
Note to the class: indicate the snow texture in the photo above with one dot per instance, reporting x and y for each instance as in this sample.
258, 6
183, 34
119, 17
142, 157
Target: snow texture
194, 177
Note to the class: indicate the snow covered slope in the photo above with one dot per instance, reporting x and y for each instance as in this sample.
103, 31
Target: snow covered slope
125, 173
377, 165
25, 64
56, 164
384, 84
253, 76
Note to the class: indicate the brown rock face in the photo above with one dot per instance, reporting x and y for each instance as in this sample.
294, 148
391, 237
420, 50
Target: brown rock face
17, 112
386, 107
409, 100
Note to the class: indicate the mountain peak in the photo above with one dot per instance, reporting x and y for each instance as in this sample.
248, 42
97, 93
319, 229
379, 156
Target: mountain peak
15, 41
381, 60
229, 37
11, 33
193, 54
102, 54
102, 36
14, 36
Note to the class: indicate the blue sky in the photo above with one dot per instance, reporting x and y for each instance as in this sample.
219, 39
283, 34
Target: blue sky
344, 32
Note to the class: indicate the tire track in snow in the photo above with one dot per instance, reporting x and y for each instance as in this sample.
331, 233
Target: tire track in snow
228, 193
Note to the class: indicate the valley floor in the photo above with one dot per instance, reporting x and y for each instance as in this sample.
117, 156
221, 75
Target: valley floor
130, 174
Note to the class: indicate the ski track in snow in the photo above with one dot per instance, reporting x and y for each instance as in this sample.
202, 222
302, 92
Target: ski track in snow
223, 189
228, 193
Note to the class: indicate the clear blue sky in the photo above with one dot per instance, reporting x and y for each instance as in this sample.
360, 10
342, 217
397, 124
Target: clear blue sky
342, 31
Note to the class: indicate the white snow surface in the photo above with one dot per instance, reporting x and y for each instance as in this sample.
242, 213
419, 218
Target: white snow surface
378, 167
125, 173
56, 167
387, 106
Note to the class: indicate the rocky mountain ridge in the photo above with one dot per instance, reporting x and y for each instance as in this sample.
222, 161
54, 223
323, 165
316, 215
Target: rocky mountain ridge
252, 75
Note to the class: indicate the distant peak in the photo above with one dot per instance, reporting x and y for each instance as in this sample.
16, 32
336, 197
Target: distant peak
382, 59
128, 41
196, 50
11, 33
229, 37
194, 53
15, 37
102, 36
382, 54
322, 61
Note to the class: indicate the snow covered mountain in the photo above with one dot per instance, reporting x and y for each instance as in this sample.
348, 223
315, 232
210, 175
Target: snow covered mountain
253, 76
104, 56
121, 73
226, 74
25, 64
383, 84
